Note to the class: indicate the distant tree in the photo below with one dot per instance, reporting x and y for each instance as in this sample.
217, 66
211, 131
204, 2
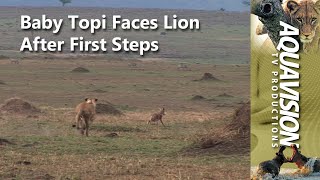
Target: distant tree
222, 9
245, 2
64, 2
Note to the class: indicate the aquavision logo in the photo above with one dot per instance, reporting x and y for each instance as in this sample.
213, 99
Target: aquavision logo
285, 86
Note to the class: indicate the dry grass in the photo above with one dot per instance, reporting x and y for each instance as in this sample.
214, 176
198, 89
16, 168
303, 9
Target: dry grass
46, 146
101, 166
233, 137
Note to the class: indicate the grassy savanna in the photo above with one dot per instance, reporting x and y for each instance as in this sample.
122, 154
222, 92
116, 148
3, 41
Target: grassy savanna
46, 146
140, 151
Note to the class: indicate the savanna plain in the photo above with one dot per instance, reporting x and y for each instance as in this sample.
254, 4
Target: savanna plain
201, 78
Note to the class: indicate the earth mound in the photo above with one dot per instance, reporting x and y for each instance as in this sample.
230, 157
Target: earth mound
225, 95
80, 70
18, 106
99, 91
208, 77
198, 98
233, 137
107, 108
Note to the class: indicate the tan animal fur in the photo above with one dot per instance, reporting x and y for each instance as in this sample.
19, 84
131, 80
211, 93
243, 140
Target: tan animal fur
156, 117
85, 115
305, 15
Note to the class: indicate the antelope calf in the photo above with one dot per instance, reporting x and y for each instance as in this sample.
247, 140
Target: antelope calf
85, 114
157, 117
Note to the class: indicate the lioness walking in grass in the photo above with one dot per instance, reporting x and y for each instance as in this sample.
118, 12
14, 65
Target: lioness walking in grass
157, 117
85, 114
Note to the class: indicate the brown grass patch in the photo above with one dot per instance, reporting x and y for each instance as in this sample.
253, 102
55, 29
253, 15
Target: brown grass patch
105, 166
18, 106
233, 137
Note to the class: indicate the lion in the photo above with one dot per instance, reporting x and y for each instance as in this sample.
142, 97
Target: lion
85, 114
302, 14
305, 14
